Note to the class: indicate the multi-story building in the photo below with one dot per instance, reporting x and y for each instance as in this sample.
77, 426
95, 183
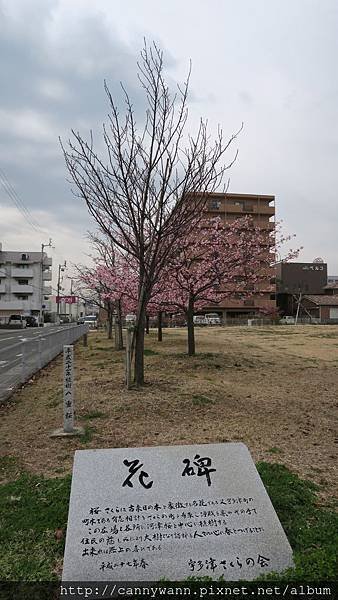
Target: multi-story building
261, 208
25, 283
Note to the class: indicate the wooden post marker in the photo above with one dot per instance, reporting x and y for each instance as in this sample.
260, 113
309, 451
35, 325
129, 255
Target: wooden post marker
128, 357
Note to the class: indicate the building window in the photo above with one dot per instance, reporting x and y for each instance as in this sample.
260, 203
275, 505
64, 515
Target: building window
22, 297
23, 282
24, 257
214, 204
272, 296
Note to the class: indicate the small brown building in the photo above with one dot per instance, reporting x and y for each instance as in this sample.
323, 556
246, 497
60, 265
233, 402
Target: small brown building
294, 280
321, 307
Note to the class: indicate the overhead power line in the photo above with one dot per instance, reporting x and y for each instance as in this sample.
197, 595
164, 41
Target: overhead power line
17, 201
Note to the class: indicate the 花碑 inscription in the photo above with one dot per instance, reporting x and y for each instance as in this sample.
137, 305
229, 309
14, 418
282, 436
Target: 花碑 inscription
148, 513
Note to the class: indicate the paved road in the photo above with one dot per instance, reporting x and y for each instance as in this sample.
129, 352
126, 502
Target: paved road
8, 337
38, 350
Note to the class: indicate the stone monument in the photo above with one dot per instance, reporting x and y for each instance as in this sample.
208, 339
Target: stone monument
171, 512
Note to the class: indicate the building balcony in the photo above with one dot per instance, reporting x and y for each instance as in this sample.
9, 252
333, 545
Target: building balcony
47, 261
47, 275
25, 259
264, 209
2, 288
254, 209
265, 225
17, 305
47, 290
21, 289
22, 273
235, 208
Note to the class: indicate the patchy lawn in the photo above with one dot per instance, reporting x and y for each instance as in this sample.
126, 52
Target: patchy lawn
273, 388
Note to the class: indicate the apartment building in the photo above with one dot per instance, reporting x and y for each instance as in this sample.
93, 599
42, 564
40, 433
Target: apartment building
261, 208
25, 283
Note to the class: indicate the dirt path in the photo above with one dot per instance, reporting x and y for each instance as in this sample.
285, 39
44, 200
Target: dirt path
273, 388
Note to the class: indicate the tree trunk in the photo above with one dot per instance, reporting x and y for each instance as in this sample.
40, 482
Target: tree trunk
139, 348
191, 329
138, 337
159, 326
110, 322
119, 323
147, 324
118, 327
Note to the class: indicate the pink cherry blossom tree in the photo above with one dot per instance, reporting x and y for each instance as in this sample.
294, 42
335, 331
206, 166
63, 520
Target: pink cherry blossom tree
217, 261
111, 284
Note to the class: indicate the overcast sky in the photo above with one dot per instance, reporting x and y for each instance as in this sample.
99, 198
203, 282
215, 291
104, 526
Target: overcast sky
269, 64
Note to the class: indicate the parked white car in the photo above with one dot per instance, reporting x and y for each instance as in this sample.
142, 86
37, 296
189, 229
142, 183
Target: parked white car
288, 320
199, 320
213, 319
91, 320
130, 319
18, 321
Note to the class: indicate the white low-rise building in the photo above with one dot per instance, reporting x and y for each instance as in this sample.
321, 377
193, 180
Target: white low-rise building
25, 283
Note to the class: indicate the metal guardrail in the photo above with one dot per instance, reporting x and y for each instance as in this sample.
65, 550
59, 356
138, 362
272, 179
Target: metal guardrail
23, 359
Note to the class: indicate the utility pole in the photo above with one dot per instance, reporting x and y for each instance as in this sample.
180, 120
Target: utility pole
61, 268
43, 246
298, 307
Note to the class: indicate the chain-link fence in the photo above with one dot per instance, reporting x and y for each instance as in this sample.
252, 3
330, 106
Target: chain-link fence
21, 360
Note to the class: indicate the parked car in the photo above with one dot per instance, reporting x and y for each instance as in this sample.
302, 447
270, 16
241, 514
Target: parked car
64, 320
31, 321
213, 319
287, 320
199, 320
17, 320
91, 320
81, 321
130, 319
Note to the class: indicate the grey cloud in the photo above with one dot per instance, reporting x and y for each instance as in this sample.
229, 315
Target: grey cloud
51, 84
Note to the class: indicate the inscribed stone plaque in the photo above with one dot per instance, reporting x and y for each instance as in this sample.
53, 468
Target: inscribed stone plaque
68, 395
171, 512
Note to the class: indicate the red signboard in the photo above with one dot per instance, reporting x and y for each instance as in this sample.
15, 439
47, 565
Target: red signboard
66, 299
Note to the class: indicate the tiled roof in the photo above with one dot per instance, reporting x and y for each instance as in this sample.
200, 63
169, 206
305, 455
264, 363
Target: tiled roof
323, 300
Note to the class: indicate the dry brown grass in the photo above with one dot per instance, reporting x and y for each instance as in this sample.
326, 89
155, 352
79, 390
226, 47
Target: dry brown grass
274, 388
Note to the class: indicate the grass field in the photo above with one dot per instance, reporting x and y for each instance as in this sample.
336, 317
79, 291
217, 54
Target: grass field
273, 388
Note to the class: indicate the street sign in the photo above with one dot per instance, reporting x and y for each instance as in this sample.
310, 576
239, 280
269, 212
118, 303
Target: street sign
67, 299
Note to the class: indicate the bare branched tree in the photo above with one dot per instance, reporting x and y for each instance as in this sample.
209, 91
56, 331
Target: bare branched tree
147, 191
